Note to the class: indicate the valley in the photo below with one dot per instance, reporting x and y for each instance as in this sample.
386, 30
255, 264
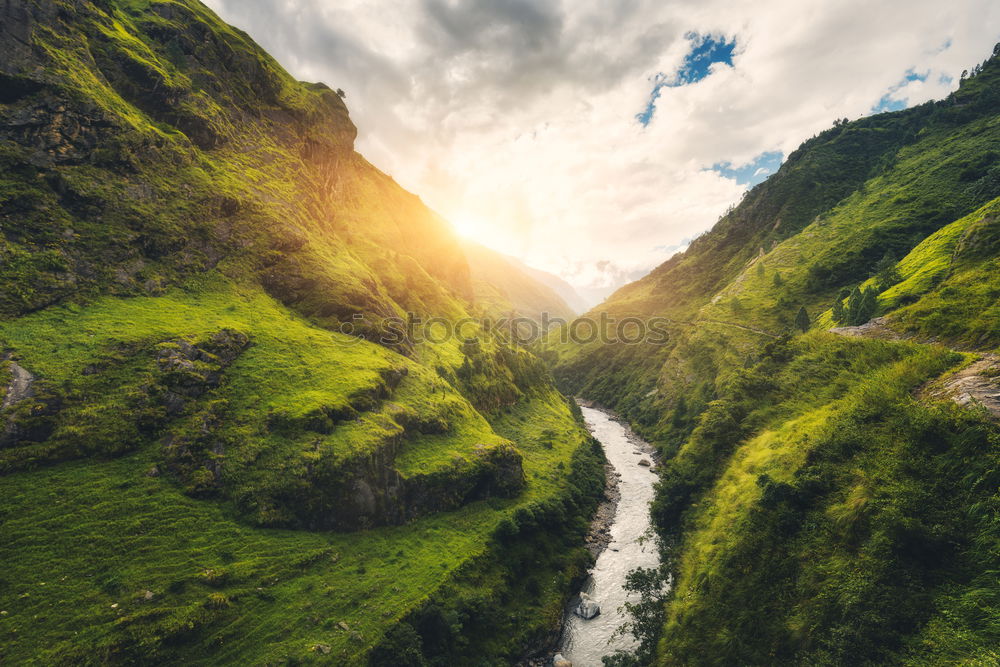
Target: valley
259, 404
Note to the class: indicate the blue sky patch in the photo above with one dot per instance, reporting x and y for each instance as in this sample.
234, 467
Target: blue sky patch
887, 103
753, 172
705, 50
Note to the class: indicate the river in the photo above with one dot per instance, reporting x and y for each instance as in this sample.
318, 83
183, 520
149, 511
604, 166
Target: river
585, 641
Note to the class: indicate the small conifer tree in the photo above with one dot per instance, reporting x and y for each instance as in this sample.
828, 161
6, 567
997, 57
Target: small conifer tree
854, 306
802, 320
839, 314
886, 274
869, 304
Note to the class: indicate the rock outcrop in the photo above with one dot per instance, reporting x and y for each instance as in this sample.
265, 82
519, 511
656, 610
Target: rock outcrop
588, 607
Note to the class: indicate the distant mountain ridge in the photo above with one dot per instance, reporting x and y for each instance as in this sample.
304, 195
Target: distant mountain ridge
505, 285
566, 292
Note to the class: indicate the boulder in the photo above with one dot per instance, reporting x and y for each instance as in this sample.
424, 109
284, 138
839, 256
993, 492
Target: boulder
587, 608
645, 463
560, 661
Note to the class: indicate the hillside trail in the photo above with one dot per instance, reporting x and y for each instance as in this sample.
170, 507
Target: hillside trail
976, 384
736, 325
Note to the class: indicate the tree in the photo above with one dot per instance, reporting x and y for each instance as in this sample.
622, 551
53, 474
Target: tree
646, 616
861, 305
886, 273
400, 647
802, 320
869, 304
854, 306
760, 269
777, 279
839, 314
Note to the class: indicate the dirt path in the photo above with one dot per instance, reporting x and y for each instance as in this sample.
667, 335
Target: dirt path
976, 384
739, 326
704, 320
877, 328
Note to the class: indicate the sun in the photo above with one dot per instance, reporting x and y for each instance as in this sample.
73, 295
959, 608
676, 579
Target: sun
472, 228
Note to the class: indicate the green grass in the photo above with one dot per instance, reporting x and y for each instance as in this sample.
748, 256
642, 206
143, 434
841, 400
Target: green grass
848, 494
291, 372
208, 197
815, 507
83, 536
102, 532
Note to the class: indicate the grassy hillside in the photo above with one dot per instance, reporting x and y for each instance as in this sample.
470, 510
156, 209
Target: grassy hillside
565, 291
821, 502
506, 289
225, 433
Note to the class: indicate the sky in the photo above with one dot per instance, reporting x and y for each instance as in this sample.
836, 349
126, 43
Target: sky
594, 139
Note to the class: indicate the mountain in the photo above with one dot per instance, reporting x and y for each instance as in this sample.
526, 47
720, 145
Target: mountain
505, 285
236, 424
566, 292
824, 402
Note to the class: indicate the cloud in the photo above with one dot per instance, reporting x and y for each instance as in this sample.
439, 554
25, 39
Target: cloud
517, 119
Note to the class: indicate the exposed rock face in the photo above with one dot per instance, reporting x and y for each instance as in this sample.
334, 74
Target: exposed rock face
192, 451
371, 492
189, 370
19, 387
213, 86
28, 408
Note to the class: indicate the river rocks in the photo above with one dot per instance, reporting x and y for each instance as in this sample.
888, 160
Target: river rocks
560, 661
588, 608
599, 535
645, 463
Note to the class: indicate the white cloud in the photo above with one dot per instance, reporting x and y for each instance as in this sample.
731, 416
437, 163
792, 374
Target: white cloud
515, 119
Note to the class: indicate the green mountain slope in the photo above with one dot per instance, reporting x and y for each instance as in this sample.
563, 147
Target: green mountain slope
822, 500
505, 287
213, 367
562, 288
